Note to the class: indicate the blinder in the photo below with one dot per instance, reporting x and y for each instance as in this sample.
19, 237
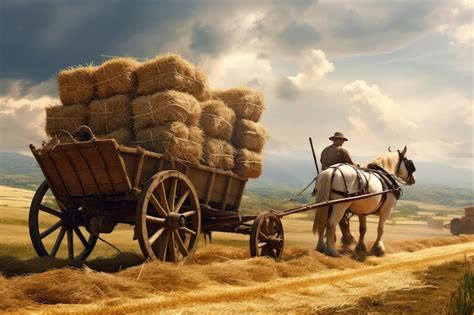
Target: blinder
410, 166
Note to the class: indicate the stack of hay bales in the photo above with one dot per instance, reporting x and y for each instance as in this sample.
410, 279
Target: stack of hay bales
248, 136
166, 106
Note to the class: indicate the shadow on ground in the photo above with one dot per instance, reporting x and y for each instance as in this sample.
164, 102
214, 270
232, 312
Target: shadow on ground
13, 266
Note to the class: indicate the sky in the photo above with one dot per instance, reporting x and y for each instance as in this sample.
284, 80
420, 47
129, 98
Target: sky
385, 73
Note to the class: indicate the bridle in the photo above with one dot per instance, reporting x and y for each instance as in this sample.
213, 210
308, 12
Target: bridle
409, 165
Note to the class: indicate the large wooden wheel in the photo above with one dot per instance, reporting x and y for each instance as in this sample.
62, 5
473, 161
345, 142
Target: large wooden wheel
266, 237
52, 224
168, 221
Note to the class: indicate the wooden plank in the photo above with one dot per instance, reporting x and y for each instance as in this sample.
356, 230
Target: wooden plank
209, 188
82, 169
115, 165
240, 195
54, 174
138, 170
40, 162
226, 193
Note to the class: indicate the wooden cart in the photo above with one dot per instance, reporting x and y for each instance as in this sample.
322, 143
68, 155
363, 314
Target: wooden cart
97, 184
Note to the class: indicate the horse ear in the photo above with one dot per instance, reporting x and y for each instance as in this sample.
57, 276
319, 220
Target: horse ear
404, 150
389, 149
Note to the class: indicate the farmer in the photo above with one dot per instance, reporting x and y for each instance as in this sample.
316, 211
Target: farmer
335, 154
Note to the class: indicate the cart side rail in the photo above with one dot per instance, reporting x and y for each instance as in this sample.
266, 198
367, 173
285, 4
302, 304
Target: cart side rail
80, 169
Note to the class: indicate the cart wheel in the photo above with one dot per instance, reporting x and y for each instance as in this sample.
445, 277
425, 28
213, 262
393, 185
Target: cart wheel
45, 211
168, 221
267, 238
456, 226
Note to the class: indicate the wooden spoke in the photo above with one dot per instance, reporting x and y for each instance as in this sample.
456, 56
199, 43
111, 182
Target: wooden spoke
162, 197
163, 246
171, 249
157, 234
172, 194
181, 200
271, 225
81, 237
188, 231
58, 242
262, 236
150, 218
70, 244
182, 248
189, 214
158, 206
51, 229
261, 244
50, 211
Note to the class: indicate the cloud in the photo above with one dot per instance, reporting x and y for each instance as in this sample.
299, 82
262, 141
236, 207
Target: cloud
458, 24
237, 69
369, 102
20, 126
314, 67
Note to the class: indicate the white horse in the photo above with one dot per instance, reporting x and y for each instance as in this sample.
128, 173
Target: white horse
343, 180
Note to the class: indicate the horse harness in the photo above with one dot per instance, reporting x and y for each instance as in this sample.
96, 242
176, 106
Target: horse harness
388, 181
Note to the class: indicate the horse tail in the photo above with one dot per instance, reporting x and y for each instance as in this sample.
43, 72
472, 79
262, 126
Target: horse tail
323, 193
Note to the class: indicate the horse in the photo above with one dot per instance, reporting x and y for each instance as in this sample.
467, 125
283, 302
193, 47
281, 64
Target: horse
343, 180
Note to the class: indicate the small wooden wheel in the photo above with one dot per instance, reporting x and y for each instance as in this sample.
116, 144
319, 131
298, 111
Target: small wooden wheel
456, 226
266, 237
168, 220
46, 211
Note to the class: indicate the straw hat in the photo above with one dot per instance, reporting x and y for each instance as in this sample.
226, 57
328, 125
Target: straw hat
338, 135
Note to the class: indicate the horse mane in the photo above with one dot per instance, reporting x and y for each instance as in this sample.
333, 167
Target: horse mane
388, 161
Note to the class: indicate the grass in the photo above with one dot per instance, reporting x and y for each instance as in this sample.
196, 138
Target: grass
462, 298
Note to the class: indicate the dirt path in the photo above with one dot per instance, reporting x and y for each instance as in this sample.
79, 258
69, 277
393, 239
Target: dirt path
328, 289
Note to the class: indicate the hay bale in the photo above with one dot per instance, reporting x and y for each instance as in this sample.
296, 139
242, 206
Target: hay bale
245, 102
171, 72
248, 164
165, 107
217, 120
172, 140
218, 154
249, 135
116, 76
67, 118
123, 136
76, 85
110, 114
196, 134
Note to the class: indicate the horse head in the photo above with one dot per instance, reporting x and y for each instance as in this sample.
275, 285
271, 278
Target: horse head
405, 167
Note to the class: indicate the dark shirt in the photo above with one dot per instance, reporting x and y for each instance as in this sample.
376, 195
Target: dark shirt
334, 154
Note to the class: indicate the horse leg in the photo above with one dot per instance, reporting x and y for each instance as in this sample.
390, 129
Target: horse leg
361, 247
347, 238
336, 216
378, 248
321, 246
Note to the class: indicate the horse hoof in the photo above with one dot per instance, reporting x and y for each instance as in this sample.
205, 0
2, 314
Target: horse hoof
321, 248
332, 252
361, 248
378, 251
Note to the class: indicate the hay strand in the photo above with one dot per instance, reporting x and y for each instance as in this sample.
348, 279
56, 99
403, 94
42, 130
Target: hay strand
123, 136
